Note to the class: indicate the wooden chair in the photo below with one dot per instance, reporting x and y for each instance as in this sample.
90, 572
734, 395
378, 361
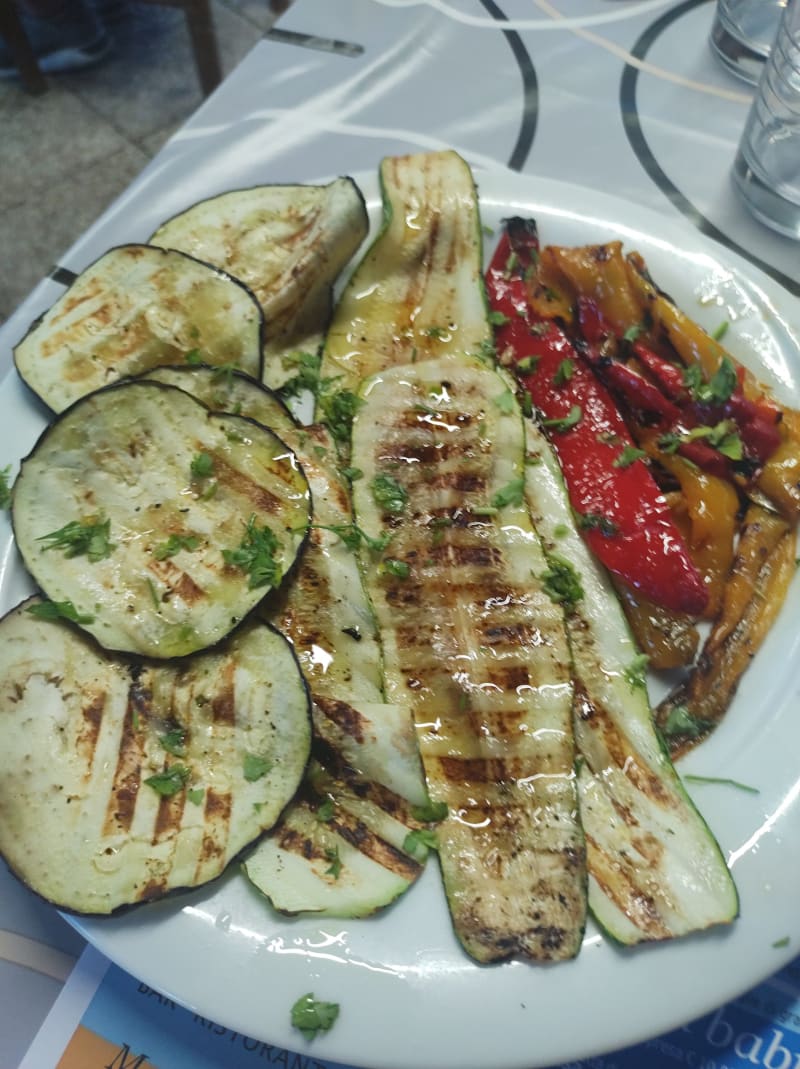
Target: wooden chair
198, 21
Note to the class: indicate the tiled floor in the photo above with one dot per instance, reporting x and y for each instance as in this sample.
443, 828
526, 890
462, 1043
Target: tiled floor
65, 155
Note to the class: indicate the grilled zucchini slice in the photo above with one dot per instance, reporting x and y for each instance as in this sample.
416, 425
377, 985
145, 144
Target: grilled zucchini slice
162, 522
133, 309
655, 870
474, 642
418, 291
288, 244
124, 780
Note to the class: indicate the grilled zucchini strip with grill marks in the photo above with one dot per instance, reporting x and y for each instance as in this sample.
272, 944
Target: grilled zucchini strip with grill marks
339, 848
125, 780
288, 244
162, 522
365, 777
418, 291
655, 869
135, 308
477, 646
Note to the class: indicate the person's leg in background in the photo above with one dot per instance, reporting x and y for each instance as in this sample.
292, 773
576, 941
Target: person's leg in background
65, 35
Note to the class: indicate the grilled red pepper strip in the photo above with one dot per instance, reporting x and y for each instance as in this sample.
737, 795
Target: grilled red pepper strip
624, 516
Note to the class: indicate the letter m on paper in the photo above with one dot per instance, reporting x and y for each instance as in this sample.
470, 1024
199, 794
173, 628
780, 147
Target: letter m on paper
125, 1060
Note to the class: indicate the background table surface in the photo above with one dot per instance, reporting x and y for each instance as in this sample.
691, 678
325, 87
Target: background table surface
622, 96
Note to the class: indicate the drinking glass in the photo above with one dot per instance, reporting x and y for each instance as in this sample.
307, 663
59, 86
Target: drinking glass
742, 34
767, 165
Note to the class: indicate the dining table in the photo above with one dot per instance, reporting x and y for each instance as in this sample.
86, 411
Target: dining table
607, 120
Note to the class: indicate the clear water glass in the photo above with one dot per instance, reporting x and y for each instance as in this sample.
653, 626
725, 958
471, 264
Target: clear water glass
767, 165
742, 34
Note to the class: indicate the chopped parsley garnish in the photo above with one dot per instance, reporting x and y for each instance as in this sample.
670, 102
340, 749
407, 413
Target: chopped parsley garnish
505, 402
59, 610
5, 488
779, 943
338, 409
436, 332
681, 722
310, 1016
351, 474
255, 555
629, 455
430, 813
195, 795
90, 539
566, 422
564, 372
202, 465
596, 521
224, 373
325, 811
306, 376
388, 494
353, 536
335, 867
527, 364
420, 838
718, 389
255, 767
398, 568
561, 582
636, 672
194, 357
497, 319
170, 782
722, 781
722, 436
512, 493
174, 742
721, 330
174, 544
632, 333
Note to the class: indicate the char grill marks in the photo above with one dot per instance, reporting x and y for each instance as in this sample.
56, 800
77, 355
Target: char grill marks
480, 651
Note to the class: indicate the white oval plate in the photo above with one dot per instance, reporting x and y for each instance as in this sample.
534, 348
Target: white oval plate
409, 997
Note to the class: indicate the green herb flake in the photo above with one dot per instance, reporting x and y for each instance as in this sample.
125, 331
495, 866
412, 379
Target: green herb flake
561, 582
174, 544
255, 555
338, 409
90, 539
721, 781
430, 813
721, 330
353, 536
718, 389
564, 372
681, 722
497, 319
397, 568
505, 402
5, 487
310, 1016
629, 455
325, 811
596, 521
436, 332
420, 840
512, 493
780, 943
566, 422
174, 742
632, 333
153, 594
255, 767
351, 475
388, 494
202, 466
194, 358
306, 376
171, 781
635, 673
335, 867
59, 610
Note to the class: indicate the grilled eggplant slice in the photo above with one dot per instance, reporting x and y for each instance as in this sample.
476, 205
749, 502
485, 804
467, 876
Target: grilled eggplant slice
163, 523
342, 848
418, 291
475, 643
229, 390
655, 869
124, 780
135, 308
287, 243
